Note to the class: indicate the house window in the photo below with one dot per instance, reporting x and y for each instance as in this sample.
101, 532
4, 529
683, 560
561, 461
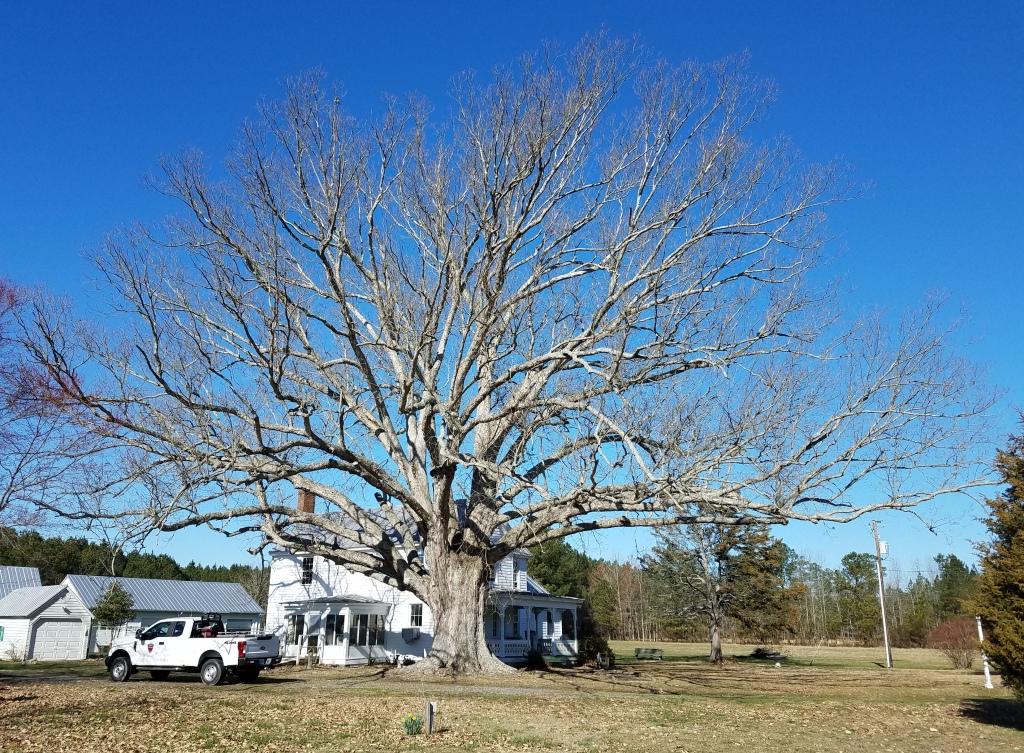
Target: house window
357, 633
519, 574
511, 622
549, 626
307, 570
334, 630
495, 624
296, 627
416, 615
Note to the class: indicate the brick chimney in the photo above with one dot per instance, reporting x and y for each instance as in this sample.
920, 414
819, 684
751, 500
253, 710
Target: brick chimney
307, 501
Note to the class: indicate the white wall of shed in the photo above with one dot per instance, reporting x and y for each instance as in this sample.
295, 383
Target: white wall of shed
15, 640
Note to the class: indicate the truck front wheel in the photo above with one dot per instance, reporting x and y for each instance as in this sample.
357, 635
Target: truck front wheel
211, 672
120, 669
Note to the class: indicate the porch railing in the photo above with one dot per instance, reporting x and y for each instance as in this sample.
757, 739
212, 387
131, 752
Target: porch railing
509, 649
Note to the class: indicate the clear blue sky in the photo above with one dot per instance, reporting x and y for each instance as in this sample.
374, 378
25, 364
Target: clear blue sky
925, 101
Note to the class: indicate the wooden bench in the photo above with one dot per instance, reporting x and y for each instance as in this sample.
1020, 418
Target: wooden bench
649, 653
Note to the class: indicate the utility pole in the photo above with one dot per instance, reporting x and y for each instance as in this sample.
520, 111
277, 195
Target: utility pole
880, 549
984, 658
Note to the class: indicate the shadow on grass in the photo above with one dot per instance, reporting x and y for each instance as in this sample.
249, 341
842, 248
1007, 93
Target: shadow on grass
193, 677
1000, 712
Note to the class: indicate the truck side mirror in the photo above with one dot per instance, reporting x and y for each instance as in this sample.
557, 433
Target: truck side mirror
138, 634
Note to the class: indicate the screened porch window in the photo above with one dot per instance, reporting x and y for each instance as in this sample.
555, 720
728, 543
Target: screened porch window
296, 627
366, 630
334, 630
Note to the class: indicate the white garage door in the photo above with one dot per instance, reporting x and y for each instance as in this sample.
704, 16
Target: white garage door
58, 639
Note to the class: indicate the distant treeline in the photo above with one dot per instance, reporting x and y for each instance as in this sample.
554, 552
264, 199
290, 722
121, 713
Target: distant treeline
796, 601
57, 557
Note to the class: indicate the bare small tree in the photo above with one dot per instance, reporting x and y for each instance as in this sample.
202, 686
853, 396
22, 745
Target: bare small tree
578, 300
41, 446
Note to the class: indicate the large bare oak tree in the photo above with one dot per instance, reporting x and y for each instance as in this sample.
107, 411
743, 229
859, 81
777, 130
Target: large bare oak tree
579, 296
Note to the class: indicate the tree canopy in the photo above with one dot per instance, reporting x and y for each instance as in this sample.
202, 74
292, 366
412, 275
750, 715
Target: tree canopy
578, 298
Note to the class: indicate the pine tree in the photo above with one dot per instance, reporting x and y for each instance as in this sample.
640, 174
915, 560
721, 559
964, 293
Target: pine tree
718, 573
115, 608
1000, 598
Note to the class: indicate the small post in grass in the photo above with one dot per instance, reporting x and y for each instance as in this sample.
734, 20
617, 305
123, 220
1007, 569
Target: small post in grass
984, 658
431, 712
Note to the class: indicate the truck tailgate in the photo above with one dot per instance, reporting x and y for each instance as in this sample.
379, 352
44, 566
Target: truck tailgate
262, 647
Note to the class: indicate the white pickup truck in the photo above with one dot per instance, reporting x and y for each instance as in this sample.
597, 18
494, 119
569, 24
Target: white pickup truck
192, 644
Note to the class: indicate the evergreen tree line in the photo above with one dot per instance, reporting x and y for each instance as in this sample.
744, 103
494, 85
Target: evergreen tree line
58, 557
765, 593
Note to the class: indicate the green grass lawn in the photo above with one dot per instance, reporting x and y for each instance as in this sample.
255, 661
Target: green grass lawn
835, 700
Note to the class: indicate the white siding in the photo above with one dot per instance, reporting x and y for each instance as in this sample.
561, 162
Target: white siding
503, 574
510, 573
68, 606
333, 580
15, 640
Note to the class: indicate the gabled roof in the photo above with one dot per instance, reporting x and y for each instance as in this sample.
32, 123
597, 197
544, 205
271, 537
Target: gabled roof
183, 596
13, 578
25, 602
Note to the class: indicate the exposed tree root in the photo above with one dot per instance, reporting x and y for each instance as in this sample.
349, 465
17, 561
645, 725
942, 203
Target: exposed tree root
436, 666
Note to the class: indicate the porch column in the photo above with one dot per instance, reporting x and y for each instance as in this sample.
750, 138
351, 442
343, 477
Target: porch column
501, 631
344, 642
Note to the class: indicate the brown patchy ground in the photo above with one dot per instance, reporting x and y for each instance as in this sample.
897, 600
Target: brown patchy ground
675, 705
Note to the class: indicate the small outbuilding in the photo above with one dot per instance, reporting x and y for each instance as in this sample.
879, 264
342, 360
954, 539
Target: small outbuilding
47, 623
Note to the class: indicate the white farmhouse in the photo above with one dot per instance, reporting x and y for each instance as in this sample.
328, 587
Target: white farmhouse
318, 607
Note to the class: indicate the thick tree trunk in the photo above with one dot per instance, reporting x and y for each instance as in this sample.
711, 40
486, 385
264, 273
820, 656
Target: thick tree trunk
458, 596
715, 631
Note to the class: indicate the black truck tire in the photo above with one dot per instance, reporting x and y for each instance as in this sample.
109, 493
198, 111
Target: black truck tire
120, 669
211, 672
